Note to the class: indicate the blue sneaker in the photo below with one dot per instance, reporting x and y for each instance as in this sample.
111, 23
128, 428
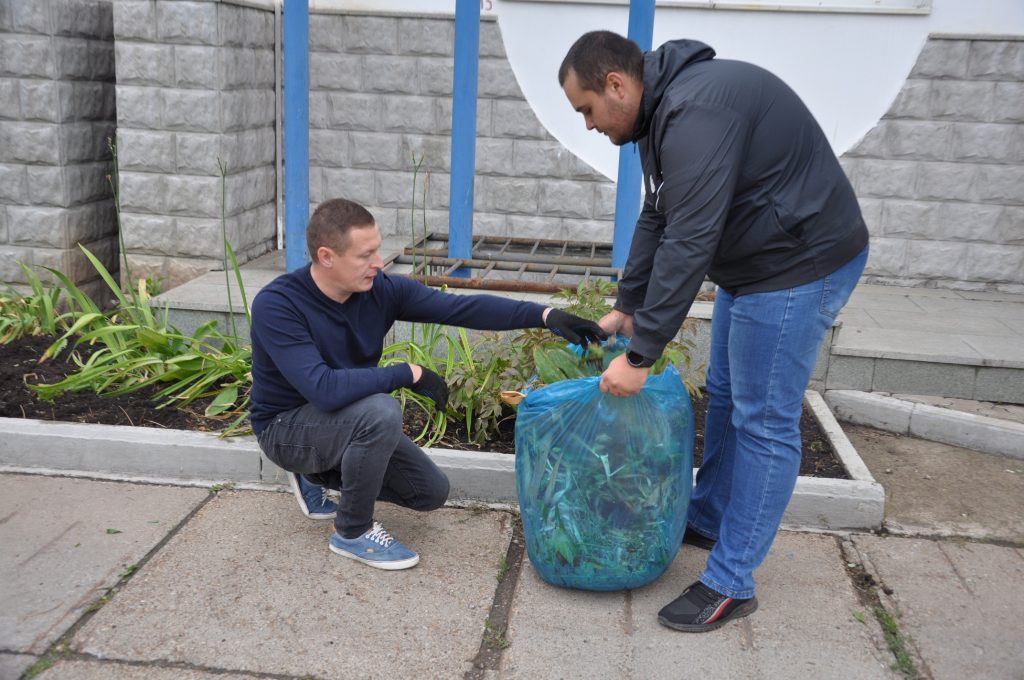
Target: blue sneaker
313, 500
376, 548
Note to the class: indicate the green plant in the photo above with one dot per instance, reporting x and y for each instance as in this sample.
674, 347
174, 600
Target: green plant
47, 660
904, 665
154, 285
133, 346
32, 314
496, 637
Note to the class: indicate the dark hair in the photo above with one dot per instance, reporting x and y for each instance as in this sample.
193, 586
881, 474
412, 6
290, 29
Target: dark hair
598, 53
331, 222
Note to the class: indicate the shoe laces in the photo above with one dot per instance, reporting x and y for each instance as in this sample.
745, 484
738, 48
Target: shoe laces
379, 535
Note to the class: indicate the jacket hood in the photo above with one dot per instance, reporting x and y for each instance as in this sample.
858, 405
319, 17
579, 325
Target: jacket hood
660, 68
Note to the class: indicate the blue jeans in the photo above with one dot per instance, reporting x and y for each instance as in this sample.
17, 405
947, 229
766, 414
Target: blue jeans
763, 349
361, 451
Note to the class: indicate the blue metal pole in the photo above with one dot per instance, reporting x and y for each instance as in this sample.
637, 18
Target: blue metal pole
627, 191
296, 128
467, 58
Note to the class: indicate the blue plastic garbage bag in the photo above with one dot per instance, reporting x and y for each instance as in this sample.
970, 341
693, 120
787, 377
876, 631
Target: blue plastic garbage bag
603, 481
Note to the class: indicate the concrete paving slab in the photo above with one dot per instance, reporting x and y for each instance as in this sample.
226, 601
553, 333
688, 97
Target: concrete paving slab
940, 322
959, 603
897, 301
992, 296
999, 352
203, 600
1014, 324
96, 670
857, 317
1009, 307
13, 665
890, 343
938, 489
56, 562
806, 606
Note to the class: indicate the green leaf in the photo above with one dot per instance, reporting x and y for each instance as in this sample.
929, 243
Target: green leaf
113, 531
153, 340
224, 400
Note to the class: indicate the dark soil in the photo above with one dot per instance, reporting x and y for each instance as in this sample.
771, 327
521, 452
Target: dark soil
19, 365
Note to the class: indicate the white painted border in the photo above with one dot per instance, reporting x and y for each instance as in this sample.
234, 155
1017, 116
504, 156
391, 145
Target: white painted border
934, 423
155, 456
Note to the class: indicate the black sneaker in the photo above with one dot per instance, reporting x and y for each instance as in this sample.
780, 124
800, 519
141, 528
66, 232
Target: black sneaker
700, 609
691, 537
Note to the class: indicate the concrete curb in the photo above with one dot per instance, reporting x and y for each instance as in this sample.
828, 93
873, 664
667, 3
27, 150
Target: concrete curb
188, 458
979, 433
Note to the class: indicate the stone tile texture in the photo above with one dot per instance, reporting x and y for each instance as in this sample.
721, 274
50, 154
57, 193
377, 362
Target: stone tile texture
57, 112
937, 587
943, 172
201, 600
617, 635
58, 562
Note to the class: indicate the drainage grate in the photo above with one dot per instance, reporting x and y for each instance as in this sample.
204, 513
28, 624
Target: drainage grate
508, 263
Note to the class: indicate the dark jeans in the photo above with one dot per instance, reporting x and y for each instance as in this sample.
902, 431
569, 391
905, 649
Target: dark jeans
361, 451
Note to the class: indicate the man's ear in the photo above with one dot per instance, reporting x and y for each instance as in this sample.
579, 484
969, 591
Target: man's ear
615, 83
325, 256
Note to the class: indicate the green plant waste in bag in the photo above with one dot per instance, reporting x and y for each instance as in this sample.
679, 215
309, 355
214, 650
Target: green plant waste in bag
603, 481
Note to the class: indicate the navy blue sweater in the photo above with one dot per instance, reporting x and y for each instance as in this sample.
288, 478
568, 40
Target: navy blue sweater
310, 349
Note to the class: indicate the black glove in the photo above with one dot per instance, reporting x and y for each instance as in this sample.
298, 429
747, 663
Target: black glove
433, 386
575, 329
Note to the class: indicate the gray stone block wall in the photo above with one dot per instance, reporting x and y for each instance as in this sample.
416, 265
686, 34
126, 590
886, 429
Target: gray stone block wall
941, 177
380, 96
56, 113
195, 87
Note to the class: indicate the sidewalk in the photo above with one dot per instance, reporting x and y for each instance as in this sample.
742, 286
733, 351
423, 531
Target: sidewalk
921, 341
122, 580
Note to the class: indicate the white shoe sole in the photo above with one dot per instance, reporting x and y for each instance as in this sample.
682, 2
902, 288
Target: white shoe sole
294, 482
393, 565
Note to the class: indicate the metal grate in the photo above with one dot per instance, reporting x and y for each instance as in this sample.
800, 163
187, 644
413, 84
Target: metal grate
507, 263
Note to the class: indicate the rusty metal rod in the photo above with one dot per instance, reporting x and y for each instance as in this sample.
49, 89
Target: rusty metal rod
518, 241
518, 257
495, 284
511, 266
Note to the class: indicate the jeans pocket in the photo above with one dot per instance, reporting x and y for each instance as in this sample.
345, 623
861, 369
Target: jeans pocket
301, 458
838, 286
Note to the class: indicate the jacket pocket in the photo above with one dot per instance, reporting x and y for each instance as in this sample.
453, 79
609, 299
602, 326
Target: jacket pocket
761, 236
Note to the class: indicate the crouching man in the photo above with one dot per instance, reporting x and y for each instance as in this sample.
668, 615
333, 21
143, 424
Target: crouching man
320, 403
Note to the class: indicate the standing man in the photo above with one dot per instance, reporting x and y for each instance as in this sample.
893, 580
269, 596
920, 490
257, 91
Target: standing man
742, 186
321, 407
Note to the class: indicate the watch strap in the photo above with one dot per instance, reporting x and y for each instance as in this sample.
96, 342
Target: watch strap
637, 360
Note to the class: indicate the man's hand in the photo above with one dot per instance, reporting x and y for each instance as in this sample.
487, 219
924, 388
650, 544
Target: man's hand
430, 385
621, 379
575, 329
617, 323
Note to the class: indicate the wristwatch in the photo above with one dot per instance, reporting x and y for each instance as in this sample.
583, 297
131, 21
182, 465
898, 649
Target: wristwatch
637, 360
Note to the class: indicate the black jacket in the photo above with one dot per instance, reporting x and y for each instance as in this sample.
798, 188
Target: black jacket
741, 185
